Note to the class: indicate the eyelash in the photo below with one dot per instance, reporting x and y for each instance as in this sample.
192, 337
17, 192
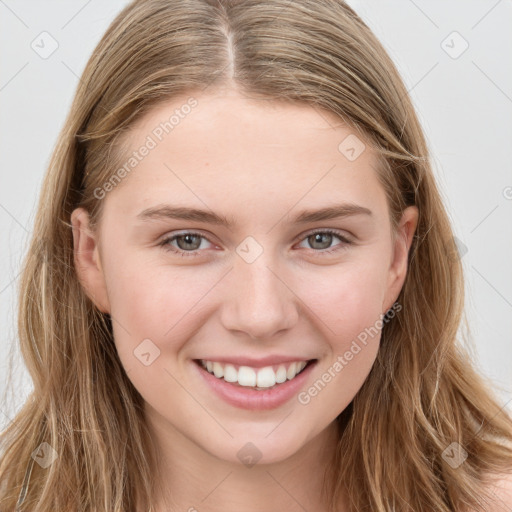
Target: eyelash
166, 242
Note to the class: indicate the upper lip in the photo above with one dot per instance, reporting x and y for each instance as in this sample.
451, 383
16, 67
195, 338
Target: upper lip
256, 363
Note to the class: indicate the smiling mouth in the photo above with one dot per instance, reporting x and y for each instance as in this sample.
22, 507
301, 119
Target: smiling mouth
265, 378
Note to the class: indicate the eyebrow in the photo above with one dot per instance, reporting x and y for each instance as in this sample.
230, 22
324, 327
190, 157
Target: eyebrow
195, 214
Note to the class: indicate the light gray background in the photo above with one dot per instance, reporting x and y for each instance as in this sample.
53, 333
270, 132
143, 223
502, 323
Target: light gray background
464, 103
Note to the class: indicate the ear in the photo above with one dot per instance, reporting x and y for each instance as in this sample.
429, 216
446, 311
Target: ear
401, 245
87, 260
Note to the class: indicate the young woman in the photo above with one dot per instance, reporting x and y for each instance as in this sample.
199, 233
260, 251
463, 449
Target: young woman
242, 292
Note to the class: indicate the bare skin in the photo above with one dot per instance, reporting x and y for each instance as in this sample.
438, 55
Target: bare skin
260, 164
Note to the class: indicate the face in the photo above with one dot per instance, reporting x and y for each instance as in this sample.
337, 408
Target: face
256, 280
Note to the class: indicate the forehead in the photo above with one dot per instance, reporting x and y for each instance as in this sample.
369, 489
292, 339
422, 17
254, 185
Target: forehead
228, 149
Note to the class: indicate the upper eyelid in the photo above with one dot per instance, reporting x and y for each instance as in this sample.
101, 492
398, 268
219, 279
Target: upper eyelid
184, 233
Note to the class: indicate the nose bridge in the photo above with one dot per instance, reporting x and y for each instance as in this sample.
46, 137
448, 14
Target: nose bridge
261, 304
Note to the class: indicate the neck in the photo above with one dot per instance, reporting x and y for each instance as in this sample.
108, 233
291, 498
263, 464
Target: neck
191, 479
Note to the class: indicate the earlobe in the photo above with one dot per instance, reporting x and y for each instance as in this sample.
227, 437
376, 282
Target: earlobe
402, 244
87, 260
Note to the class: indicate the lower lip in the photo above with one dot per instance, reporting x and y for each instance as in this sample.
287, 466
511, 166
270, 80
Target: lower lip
253, 399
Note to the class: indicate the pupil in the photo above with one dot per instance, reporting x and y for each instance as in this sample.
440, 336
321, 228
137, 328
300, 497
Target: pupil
317, 238
188, 240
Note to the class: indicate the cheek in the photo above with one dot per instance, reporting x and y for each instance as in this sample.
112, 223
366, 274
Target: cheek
350, 298
154, 301
347, 313
154, 312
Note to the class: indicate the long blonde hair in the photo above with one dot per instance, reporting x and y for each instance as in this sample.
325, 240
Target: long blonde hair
423, 393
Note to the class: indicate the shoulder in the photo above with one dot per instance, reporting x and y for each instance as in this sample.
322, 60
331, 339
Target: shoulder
501, 491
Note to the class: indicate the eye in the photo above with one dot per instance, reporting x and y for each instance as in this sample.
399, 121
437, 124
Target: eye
188, 244
322, 240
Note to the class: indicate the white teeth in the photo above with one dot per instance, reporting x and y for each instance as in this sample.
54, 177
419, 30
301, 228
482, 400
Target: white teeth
230, 373
291, 371
246, 376
218, 371
281, 374
266, 377
259, 378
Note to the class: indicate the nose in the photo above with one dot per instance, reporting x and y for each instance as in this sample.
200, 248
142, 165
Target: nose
261, 304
